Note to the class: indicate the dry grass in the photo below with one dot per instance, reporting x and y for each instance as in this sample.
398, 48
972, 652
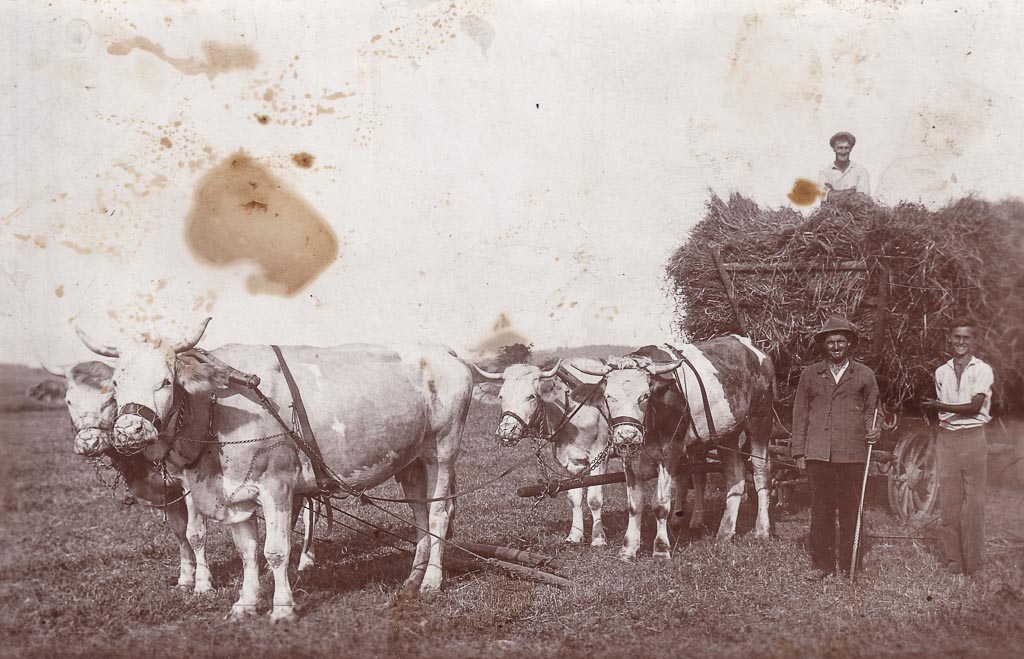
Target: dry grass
81, 575
964, 259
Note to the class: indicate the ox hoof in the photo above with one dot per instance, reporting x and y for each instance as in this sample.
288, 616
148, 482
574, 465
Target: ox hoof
241, 612
283, 615
202, 588
574, 539
184, 585
627, 556
662, 555
430, 587
598, 542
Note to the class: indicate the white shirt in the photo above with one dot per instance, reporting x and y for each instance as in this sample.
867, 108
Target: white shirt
836, 375
855, 177
977, 378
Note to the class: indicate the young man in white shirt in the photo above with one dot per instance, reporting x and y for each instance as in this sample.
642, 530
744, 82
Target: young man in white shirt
844, 176
964, 398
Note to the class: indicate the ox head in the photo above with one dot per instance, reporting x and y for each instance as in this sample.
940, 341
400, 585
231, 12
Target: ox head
628, 384
90, 401
523, 390
144, 385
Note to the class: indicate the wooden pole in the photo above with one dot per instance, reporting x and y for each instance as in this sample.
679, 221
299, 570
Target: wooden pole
791, 266
530, 573
881, 315
716, 254
513, 555
553, 488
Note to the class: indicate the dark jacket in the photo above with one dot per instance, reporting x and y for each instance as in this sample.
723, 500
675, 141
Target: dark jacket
830, 419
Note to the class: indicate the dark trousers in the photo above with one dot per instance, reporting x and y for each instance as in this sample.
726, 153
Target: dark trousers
835, 496
963, 463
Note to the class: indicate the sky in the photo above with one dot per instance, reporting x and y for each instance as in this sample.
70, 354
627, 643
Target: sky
468, 172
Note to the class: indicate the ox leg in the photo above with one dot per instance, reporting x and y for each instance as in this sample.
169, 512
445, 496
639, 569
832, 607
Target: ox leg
246, 541
277, 514
735, 480
440, 475
177, 518
635, 506
576, 530
762, 481
303, 507
595, 501
413, 480
196, 531
661, 506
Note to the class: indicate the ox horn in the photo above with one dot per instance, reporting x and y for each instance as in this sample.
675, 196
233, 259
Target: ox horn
98, 348
599, 374
488, 375
551, 372
191, 342
662, 369
54, 370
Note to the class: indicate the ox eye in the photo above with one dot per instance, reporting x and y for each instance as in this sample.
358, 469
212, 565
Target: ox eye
531, 397
644, 397
166, 383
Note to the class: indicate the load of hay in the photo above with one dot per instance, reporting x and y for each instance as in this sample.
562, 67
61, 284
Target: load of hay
789, 272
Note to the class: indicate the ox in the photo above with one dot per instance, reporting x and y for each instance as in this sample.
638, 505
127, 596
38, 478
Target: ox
656, 421
376, 412
533, 401
90, 402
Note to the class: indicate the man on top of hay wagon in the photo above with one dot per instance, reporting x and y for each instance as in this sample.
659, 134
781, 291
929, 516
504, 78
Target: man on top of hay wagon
833, 421
844, 178
964, 398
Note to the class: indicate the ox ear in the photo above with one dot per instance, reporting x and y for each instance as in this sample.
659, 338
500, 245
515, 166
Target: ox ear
486, 393
198, 377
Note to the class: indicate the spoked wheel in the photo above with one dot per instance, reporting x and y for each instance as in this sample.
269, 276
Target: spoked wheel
913, 478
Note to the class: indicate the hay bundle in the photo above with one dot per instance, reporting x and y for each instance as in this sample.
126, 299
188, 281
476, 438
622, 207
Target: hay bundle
964, 259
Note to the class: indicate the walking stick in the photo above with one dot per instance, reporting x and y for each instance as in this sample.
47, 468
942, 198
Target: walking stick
860, 507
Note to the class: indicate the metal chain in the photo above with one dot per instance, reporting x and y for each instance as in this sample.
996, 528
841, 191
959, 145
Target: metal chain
237, 441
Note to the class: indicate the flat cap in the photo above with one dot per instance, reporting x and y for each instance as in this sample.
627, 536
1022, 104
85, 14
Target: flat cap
842, 135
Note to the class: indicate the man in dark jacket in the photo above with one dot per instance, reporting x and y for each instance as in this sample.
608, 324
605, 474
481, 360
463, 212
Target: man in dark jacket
833, 421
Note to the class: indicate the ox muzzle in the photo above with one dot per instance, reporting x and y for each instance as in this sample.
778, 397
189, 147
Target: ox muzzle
512, 427
136, 427
627, 436
92, 436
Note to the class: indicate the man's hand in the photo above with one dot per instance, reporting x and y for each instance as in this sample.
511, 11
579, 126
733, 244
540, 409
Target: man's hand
873, 435
929, 403
801, 463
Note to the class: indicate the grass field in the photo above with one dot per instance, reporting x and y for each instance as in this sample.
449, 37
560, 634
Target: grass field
81, 574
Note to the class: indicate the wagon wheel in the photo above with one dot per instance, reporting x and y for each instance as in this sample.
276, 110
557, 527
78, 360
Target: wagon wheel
913, 477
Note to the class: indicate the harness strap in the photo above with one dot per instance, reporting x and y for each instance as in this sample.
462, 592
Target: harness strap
712, 434
144, 412
307, 439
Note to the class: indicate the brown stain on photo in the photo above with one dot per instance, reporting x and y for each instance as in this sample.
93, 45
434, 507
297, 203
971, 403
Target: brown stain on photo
263, 119
502, 334
303, 159
218, 57
243, 212
59, 291
804, 192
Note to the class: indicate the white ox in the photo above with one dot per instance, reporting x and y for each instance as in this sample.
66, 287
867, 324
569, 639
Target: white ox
533, 401
659, 421
376, 412
90, 402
